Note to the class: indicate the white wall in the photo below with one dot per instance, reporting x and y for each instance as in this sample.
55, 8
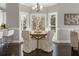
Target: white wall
23, 8
1, 16
3, 6
67, 8
62, 9
12, 18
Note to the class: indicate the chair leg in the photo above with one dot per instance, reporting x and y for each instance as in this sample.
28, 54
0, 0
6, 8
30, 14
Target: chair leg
75, 52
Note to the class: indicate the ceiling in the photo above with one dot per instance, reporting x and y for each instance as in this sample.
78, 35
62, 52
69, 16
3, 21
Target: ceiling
43, 4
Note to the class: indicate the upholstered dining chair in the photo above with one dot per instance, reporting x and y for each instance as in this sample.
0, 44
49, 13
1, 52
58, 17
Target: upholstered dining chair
25, 35
46, 43
29, 43
50, 38
74, 40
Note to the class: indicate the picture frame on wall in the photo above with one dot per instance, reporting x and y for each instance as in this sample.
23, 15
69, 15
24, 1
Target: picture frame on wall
71, 19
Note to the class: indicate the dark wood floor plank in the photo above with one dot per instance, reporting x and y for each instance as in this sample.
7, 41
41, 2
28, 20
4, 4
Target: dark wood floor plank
38, 52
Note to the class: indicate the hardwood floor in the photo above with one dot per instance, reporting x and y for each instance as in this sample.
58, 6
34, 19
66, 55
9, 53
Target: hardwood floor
13, 50
38, 52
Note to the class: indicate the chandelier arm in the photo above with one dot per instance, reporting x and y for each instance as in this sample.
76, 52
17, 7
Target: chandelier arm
37, 7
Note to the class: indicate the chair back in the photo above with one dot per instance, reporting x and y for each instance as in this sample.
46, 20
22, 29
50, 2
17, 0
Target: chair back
74, 39
25, 35
52, 32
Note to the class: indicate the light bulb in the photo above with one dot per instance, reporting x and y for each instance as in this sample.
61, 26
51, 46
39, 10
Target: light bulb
33, 8
41, 7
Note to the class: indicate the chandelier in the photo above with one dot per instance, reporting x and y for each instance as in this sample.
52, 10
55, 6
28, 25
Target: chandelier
37, 7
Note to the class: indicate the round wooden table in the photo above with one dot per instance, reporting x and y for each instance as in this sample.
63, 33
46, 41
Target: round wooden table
38, 36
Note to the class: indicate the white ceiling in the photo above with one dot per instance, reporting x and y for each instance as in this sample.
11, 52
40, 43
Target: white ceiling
43, 4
